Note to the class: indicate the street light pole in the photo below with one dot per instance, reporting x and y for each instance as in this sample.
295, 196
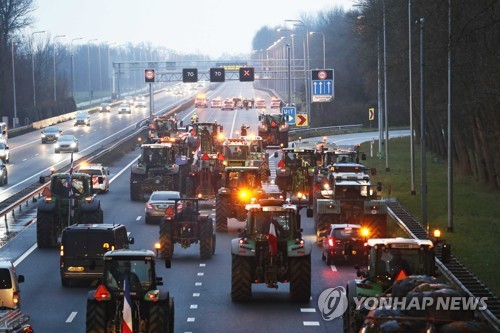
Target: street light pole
33, 64
14, 83
108, 66
73, 66
324, 46
54, 59
100, 69
90, 78
385, 93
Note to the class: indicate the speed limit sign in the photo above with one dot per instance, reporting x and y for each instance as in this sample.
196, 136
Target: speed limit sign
149, 75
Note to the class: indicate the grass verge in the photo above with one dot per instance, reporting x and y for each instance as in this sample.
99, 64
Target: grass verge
475, 240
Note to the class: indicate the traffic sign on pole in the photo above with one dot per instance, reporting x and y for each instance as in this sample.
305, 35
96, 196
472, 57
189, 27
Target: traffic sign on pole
371, 113
149, 75
217, 74
289, 114
301, 120
189, 75
322, 85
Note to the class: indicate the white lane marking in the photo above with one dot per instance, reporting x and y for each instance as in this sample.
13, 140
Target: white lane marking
201, 273
198, 284
311, 323
307, 310
190, 319
25, 254
194, 306
203, 265
334, 269
196, 294
71, 317
138, 218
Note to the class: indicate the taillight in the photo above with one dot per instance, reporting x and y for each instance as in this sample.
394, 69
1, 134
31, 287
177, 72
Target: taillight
149, 206
331, 242
15, 297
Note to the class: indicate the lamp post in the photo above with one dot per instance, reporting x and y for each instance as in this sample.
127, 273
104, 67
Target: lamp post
33, 64
54, 59
100, 69
14, 83
385, 93
324, 46
73, 66
90, 78
108, 67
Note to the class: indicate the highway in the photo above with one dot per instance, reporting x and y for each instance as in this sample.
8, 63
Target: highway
201, 288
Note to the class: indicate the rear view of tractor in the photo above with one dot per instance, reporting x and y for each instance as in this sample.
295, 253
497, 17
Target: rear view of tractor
163, 126
240, 185
271, 250
68, 200
162, 166
273, 129
206, 169
185, 226
129, 295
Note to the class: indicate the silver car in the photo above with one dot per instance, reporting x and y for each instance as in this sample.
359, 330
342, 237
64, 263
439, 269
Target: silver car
124, 108
157, 203
66, 143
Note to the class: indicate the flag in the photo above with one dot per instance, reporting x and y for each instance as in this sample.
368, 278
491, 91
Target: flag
127, 309
272, 239
68, 178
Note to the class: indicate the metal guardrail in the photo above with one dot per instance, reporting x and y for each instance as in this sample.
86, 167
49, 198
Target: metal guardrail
319, 131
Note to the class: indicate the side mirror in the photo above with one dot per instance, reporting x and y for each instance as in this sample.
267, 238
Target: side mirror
275, 154
131, 240
168, 263
20, 278
100, 180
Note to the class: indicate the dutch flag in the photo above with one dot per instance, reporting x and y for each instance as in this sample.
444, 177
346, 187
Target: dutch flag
273, 240
127, 309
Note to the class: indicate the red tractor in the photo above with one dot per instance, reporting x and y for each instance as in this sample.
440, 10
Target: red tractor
273, 129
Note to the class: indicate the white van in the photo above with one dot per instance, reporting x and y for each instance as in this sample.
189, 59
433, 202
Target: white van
4, 131
9, 285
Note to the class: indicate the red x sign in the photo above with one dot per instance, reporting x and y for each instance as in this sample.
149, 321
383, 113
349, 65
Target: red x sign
246, 73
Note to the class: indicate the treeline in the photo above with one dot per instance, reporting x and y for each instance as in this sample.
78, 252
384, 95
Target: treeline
354, 49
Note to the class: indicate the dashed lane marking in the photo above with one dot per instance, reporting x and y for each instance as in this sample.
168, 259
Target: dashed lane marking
311, 323
334, 269
138, 218
203, 265
193, 306
71, 317
190, 319
307, 310
198, 284
196, 294
201, 273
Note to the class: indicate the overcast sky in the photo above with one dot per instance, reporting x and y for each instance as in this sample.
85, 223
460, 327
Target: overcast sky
187, 26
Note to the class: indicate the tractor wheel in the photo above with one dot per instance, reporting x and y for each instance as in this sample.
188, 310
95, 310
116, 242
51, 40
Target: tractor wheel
349, 317
171, 315
300, 278
166, 242
322, 227
221, 212
158, 317
241, 279
284, 139
206, 239
94, 217
46, 230
135, 188
190, 187
214, 242
96, 317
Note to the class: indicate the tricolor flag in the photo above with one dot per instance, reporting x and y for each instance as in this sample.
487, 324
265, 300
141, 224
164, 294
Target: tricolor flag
127, 309
272, 239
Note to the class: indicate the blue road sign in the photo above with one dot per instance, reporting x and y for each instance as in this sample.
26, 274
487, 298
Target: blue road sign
289, 114
322, 85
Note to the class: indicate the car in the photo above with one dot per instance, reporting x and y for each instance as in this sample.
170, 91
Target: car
9, 285
140, 102
344, 242
124, 108
83, 246
51, 134
4, 151
129, 100
260, 103
276, 103
201, 101
157, 203
228, 104
4, 175
100, 176
216, 103
238, 102
82, 118
66, 143
104, 107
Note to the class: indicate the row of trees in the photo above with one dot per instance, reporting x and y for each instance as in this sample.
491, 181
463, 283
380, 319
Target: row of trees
354, 48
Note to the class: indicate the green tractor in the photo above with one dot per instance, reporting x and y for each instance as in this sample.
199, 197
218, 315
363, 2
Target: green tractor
129, 281
161, 166
68, 200
240, 185
390, 260
271, 250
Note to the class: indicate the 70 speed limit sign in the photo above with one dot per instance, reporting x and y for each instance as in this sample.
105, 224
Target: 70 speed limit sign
149, 75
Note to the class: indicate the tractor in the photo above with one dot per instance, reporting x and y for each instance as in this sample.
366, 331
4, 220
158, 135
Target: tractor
128, 294
271, 250
68, 200
184, 225
205, 142
240, 185
161, 166
163, 126
273, 129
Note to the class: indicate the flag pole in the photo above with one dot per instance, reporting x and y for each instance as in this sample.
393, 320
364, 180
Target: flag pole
70, 191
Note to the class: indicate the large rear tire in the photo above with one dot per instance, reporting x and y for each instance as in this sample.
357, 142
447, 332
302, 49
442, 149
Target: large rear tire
166, 242
300, 278
221, 212
96, 317
241, 279
159, 317
135, 188
171, 315
94, 217
323, 223
349, 318
206, 239
46, 230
